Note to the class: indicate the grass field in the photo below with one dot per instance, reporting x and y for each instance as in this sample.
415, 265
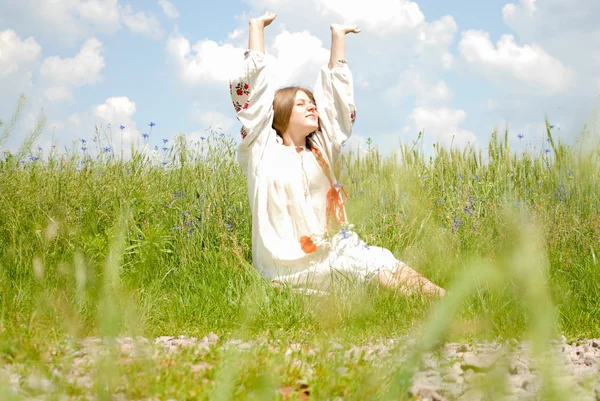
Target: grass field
95, 245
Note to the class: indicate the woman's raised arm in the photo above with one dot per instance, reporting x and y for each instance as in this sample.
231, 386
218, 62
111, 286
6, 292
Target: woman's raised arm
256, 41
338, 42
334, 93
252, 92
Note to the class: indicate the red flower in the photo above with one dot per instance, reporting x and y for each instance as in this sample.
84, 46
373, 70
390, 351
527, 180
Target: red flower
245, 106
307, 245
245, 86
239, 92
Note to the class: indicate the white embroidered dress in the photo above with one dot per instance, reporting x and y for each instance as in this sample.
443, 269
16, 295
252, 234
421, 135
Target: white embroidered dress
288, 189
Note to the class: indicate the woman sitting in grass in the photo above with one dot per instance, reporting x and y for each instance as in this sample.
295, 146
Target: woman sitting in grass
291, 139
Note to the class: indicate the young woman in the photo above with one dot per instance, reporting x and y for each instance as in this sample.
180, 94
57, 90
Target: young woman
291, 139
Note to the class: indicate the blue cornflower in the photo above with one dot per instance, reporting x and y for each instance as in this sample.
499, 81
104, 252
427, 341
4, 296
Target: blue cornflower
229, 227
552, 126
83, 148
521, 136
151, 124
106, 149
547, 151
176, 228
39, 149
145, 136
468, 210
457, 223
202, 138
221, 135
121, 127
165, 149
83, 140
165, 140
163, 163
190, 231
345, 233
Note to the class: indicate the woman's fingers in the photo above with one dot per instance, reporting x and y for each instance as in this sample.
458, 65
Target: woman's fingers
345, 29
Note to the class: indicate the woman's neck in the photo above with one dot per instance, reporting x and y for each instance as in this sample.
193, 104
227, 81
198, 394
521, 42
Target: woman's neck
291, 140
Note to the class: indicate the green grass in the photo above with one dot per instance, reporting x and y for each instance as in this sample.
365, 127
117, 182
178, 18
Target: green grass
103, 246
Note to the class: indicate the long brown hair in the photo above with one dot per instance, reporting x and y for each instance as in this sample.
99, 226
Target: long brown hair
283, 103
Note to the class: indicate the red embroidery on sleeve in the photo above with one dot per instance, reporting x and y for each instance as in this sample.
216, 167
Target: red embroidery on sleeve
242, 88
238, 106
243, 133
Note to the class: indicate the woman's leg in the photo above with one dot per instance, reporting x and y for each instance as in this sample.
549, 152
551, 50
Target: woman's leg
408, 281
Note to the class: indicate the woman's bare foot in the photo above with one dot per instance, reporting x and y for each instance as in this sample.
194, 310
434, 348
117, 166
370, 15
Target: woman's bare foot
265, 19
408, 282
344, 29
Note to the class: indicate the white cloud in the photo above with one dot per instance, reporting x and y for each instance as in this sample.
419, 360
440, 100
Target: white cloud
297, 58
433, 43
142, 22
235, 34
414, 83
58, 94
511, 11
206, 61
83, 69
379, 16
15, 52
115, 108
443, 124
168, 8
106, 118
211, 119
76, 18
529, 64
299, 55
97, 11
64, 74
67, 21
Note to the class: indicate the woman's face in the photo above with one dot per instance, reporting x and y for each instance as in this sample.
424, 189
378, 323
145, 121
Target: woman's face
304, 118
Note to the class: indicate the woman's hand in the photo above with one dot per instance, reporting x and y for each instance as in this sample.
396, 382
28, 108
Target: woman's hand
264, 20
344, 29
256, 40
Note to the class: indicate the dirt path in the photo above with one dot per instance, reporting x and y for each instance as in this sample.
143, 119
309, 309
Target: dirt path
452, 372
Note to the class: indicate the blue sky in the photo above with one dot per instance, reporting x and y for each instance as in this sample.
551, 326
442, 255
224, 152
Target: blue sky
457, 70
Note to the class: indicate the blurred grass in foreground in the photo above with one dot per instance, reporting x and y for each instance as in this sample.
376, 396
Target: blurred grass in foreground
103, 246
